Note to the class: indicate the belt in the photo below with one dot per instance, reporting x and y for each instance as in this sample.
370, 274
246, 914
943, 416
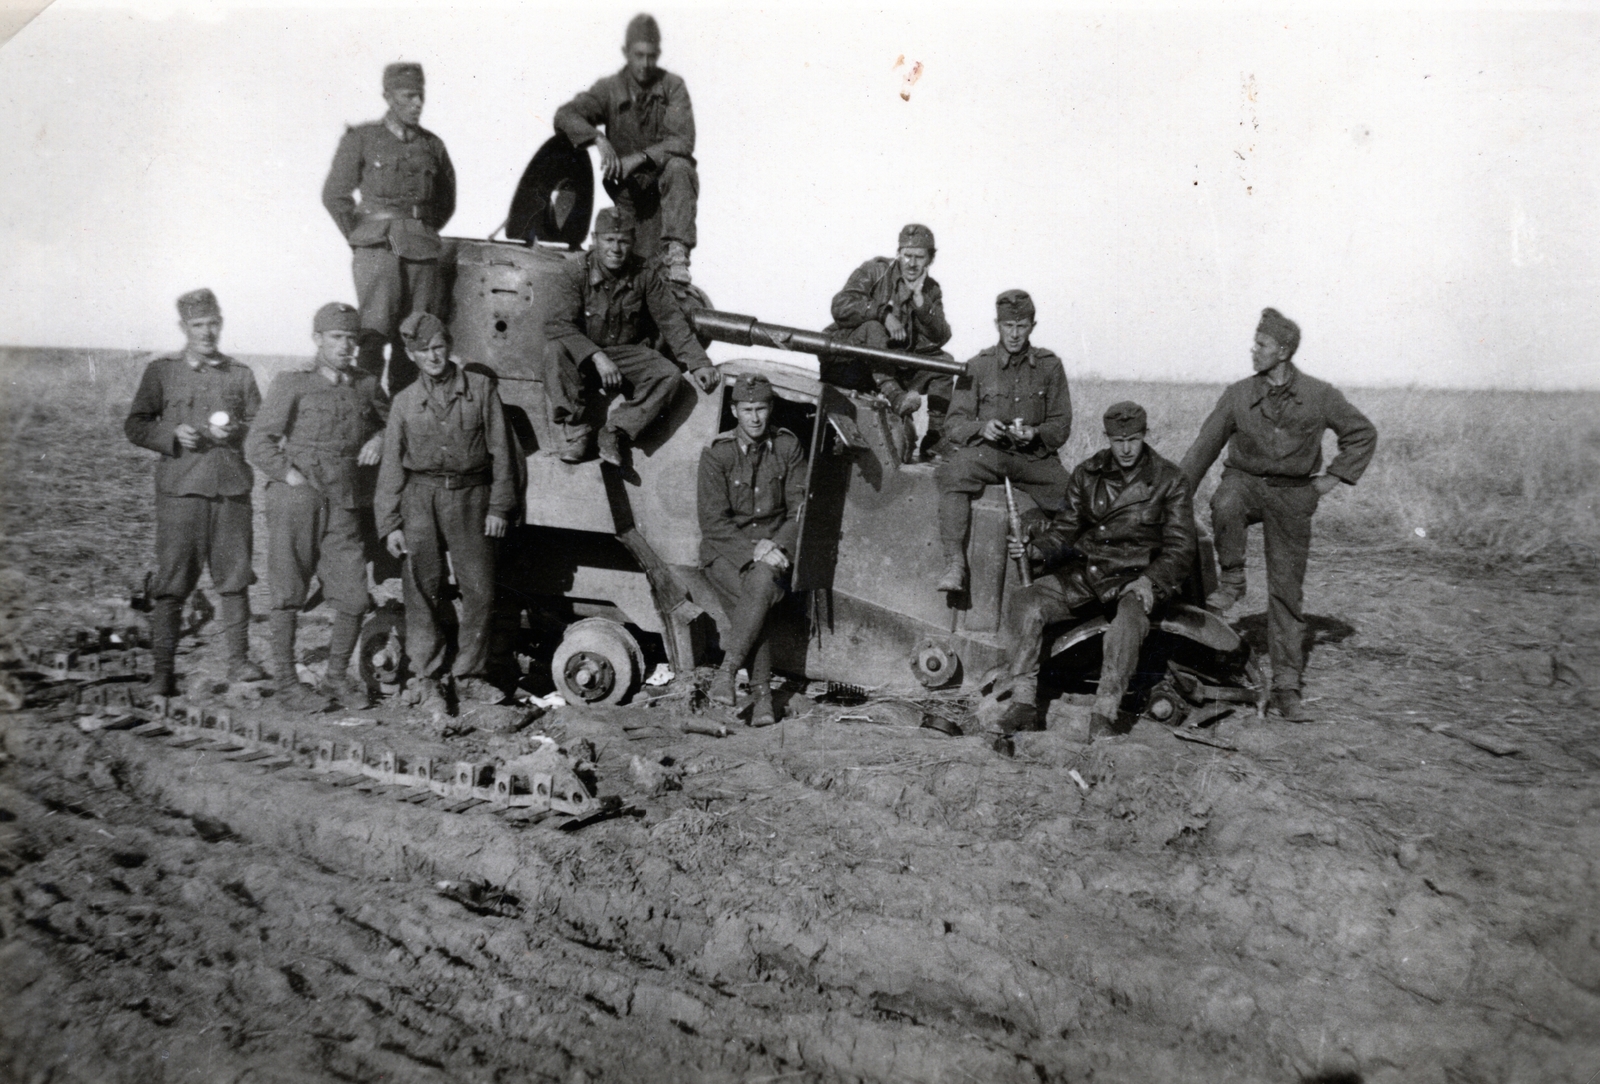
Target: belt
449, 479
1286, 481
382, 213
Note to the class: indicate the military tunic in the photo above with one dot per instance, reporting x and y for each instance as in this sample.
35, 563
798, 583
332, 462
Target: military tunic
1274, 440
408, 193
318, 426
658, 122
447, 466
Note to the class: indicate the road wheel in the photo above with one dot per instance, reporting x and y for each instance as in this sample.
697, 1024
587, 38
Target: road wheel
598, 662
381, 652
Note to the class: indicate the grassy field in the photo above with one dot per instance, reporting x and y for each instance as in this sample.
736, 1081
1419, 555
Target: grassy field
1504, 478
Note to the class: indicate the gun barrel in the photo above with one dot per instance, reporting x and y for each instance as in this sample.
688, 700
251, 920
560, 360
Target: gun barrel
740, 330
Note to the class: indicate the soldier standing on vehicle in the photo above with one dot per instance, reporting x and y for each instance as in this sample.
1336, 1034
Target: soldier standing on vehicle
647, 149
194, 408
605, 310
316, 431
895, 303
1008, 417
408, 193
446, 485
1122, 546
1272, 424
752, 489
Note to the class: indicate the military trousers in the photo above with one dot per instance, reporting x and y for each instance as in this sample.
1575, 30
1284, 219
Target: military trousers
863, 376
309, 535
648, 381
748, 594
664, 202
1057, 597
194, 533
437, 521
969, 470
1284, 513
388, 289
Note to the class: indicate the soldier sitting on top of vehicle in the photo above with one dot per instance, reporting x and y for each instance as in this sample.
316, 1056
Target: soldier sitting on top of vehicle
752, 488
605, 310
647, 149
895, 303
1123, 545
1008, 417
447, 484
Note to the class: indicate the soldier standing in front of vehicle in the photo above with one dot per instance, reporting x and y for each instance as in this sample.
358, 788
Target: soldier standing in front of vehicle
408, 193
895, 303
1009, 416
605, 310
446, 485
1272, 424
316, 432
751, 491
195, 408
1123, 545
647, 148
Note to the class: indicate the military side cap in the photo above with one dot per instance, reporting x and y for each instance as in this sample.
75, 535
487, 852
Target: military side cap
198, 303
421, 328
916, 235
1013, 305
613, 220
404, 75
1125, 419
642, 27
752, 388
336, 316
1284, 331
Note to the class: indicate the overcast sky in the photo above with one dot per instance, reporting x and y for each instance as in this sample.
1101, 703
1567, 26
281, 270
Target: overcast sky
1421, 192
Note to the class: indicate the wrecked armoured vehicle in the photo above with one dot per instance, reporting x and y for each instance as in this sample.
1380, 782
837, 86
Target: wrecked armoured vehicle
617, 559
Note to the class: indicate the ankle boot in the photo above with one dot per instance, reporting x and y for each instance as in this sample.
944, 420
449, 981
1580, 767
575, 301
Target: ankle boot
236, 639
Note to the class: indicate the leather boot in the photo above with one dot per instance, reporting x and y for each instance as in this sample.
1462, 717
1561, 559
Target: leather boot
290, 695
954, 577
1229, 592
236, 639
337, 683
721, 691
164, 618
761, 710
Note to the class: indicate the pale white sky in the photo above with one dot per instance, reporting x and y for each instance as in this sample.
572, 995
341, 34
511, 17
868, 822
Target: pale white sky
1420, 191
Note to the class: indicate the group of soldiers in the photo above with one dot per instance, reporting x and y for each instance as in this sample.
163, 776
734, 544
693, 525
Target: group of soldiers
1116, 535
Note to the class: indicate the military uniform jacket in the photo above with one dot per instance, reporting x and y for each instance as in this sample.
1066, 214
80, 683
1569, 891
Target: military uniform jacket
408, 190
748, 495
1124, 524
592, 308
876, 289
318, 427
1277, 432
457, 431
172, 394
657, 120
1031, 386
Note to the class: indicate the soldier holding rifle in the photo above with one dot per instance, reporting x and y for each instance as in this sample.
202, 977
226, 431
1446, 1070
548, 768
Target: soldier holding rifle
1008, 418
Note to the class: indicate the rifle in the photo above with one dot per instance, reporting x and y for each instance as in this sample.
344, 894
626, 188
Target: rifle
1016, 532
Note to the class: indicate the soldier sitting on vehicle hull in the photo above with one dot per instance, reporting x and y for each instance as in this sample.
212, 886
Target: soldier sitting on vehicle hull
752, 488
447, 484
195, 408
895, 303
1008, 417
607, 307
1123, 545
1272, 424
315, 433
647, 150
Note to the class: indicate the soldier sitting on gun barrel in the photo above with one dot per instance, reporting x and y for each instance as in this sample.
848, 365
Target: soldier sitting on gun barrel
608, 306
895, 303
1008, 417
1123, 545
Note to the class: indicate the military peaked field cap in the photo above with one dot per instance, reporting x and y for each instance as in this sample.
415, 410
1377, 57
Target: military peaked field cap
1125, 419
1013, 305
613, 220
336, 316
916, 235
752, 388
642, 27
1284, 331
197, 303
405, 75
421, 328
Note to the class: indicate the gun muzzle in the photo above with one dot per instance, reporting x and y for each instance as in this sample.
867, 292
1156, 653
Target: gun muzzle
740, 330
